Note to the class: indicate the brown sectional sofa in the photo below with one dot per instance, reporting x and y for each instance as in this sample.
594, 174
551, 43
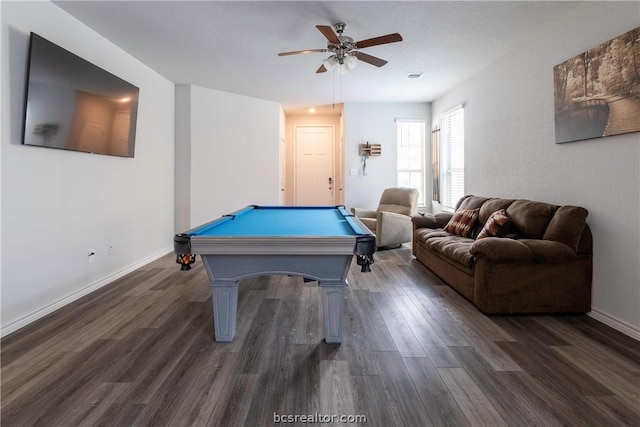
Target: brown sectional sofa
542, 265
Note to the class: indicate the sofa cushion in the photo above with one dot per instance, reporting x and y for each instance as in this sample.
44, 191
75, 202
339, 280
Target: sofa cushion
496, 226
455, 248
462, 221
423, 234
470, 202
530, 219
490, 206
567, 226
501, 250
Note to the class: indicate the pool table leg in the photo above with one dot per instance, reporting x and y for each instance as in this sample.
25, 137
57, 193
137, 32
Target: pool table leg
225, 308
333, 307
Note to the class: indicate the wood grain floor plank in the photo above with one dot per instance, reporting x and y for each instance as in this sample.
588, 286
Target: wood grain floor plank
435, 349
153, 368
91, 409
274, 372
561, 378
405, 340
48, 403
336, 393
473, 403
230, 410
165, 402
442, 408
381, 340
257, 335
446, 326
303, 395
561, 326
618, 382
249, 303
404, 402
515, 409
360, 358
120, 415
206, 391
617, 342
29, 381
621, 412
309, 325
484, 326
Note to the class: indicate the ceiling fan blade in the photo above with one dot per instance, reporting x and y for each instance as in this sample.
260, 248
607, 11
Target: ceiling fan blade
389, 38
300, 52
321, 69
370, 59
328, 32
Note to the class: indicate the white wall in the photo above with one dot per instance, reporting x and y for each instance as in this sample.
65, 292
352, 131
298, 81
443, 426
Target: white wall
376, 124
234, 142
58, 205
510, 150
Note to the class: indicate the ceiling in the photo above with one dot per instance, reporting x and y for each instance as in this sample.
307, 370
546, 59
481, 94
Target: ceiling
233, 45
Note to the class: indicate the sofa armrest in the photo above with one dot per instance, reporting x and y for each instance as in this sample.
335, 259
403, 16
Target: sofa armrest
392, 228
499, 249
424, 221
438, 220
394, 217
549, 251
363, 213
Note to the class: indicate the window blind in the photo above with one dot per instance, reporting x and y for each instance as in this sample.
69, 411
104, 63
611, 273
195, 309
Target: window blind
411, 156
452, 161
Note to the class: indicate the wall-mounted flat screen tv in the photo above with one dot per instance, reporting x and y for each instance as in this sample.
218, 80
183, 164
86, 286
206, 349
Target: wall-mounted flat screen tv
72, 104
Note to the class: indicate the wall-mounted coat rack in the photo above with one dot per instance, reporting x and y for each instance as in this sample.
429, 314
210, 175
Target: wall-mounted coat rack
370, 149
367, 150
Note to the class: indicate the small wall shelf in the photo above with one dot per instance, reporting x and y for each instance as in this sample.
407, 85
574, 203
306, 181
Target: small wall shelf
370, 149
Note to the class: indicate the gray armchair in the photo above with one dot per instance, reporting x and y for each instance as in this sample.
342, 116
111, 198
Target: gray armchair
391, 222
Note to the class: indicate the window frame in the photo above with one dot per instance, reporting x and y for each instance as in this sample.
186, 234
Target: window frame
422, 170
451, 162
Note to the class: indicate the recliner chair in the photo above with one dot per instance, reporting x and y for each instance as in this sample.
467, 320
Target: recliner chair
391, 222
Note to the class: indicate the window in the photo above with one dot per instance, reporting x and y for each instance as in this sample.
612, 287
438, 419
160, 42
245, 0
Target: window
452, 158
411, 173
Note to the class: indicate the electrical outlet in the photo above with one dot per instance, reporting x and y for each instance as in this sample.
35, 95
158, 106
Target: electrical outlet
92, 256
110, 248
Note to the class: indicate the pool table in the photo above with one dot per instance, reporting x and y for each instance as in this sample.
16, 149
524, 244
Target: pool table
316, 242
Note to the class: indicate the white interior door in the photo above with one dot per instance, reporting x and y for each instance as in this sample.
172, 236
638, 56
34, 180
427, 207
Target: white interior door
314, 179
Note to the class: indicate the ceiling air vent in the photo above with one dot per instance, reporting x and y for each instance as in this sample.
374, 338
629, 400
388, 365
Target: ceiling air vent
412, 76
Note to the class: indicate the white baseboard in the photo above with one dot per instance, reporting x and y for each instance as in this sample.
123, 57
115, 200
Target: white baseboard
617, 324
32, 317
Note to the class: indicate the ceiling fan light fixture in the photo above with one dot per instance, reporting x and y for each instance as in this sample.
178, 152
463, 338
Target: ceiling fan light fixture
351, 61
347, 64
330, 62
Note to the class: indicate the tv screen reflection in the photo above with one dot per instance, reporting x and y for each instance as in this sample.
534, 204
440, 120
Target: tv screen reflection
72, 104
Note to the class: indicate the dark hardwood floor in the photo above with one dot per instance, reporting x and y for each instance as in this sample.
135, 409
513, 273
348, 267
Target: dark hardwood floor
140, 352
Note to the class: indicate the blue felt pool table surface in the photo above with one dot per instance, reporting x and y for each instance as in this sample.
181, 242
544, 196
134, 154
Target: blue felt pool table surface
273, 221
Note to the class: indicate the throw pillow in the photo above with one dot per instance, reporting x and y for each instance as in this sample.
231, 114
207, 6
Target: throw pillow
462, 221
496, 225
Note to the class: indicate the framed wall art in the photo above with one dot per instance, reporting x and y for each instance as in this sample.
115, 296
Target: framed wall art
597, 93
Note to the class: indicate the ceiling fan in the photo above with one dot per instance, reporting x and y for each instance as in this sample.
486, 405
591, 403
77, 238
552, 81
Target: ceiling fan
344, 51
